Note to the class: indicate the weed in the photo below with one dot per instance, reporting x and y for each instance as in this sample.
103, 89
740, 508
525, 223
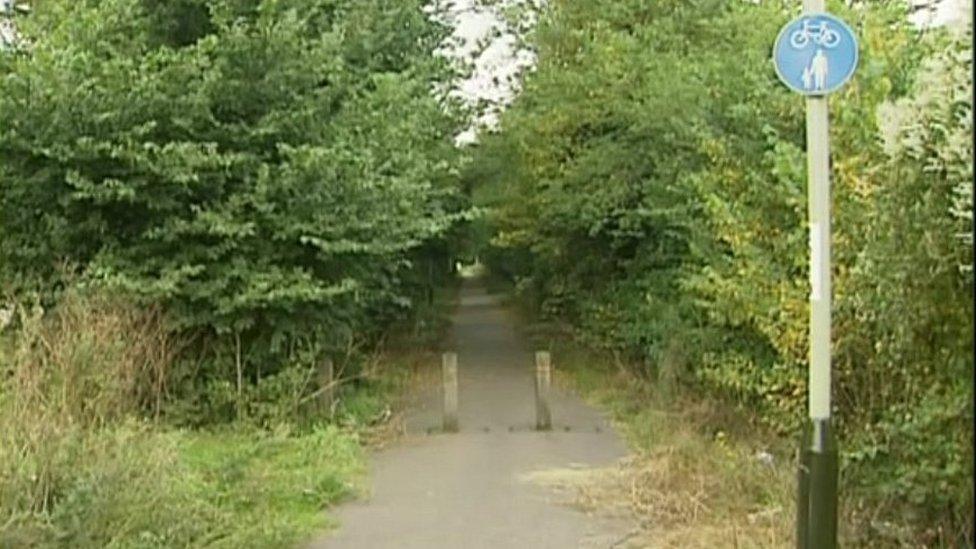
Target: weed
700, 476
83, 464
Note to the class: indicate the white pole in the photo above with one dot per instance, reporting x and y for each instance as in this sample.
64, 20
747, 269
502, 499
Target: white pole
818, 167
817, 503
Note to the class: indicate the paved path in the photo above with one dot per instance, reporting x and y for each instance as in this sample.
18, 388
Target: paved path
465, 490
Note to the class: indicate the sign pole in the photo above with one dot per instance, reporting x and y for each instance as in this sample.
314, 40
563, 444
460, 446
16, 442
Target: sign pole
815, 55
817, 509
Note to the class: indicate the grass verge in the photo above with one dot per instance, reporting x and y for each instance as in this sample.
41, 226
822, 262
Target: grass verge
271, 488
136, 485
700, 475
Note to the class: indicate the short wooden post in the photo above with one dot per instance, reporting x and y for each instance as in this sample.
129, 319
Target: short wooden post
327, 381
450, 370
543, 380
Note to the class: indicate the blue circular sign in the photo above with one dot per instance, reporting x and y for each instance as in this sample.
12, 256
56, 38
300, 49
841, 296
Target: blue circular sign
815, 54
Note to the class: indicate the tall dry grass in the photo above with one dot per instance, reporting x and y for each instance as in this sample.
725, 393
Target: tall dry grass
75, 385
700, 475
686, 490
92, 361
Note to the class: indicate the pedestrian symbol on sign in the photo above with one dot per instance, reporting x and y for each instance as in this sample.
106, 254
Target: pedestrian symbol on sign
819, 68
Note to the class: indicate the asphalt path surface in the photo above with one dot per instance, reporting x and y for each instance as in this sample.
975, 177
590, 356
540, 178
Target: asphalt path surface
468, 489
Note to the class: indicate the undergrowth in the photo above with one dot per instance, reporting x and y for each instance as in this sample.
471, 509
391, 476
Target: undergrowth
702, 474
96, 451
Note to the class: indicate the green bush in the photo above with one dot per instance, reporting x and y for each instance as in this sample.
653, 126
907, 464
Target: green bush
115, 487
270, 173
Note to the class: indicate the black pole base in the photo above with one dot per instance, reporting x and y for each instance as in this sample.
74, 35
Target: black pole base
816, 520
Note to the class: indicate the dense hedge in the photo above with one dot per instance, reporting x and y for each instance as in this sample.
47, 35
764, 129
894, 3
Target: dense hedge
278, 174
649, 186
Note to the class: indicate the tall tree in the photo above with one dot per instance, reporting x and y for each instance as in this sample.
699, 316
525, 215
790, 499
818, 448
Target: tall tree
266, 168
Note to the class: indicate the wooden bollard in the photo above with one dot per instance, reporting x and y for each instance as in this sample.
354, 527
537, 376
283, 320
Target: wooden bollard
327, 380
543, 380
450, 369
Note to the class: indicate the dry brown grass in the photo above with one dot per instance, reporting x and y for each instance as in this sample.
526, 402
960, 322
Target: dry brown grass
90, 364
415, 372
92, 361
696, 479
679, 498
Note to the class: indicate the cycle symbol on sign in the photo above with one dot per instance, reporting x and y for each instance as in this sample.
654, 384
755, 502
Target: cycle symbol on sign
821, 34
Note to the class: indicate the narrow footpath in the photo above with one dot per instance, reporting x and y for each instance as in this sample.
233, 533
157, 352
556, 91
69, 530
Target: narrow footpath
468, 489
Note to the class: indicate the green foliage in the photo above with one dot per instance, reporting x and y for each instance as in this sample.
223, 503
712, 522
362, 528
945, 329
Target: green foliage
131, 486
268, 171
654, 195
121, 487
905, 346
282, 398
271, 488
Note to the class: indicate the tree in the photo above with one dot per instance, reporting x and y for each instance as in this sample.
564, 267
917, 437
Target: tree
262, 169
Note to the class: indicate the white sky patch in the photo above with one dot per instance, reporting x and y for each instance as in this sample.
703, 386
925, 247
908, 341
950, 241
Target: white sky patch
937, 13
484, 38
